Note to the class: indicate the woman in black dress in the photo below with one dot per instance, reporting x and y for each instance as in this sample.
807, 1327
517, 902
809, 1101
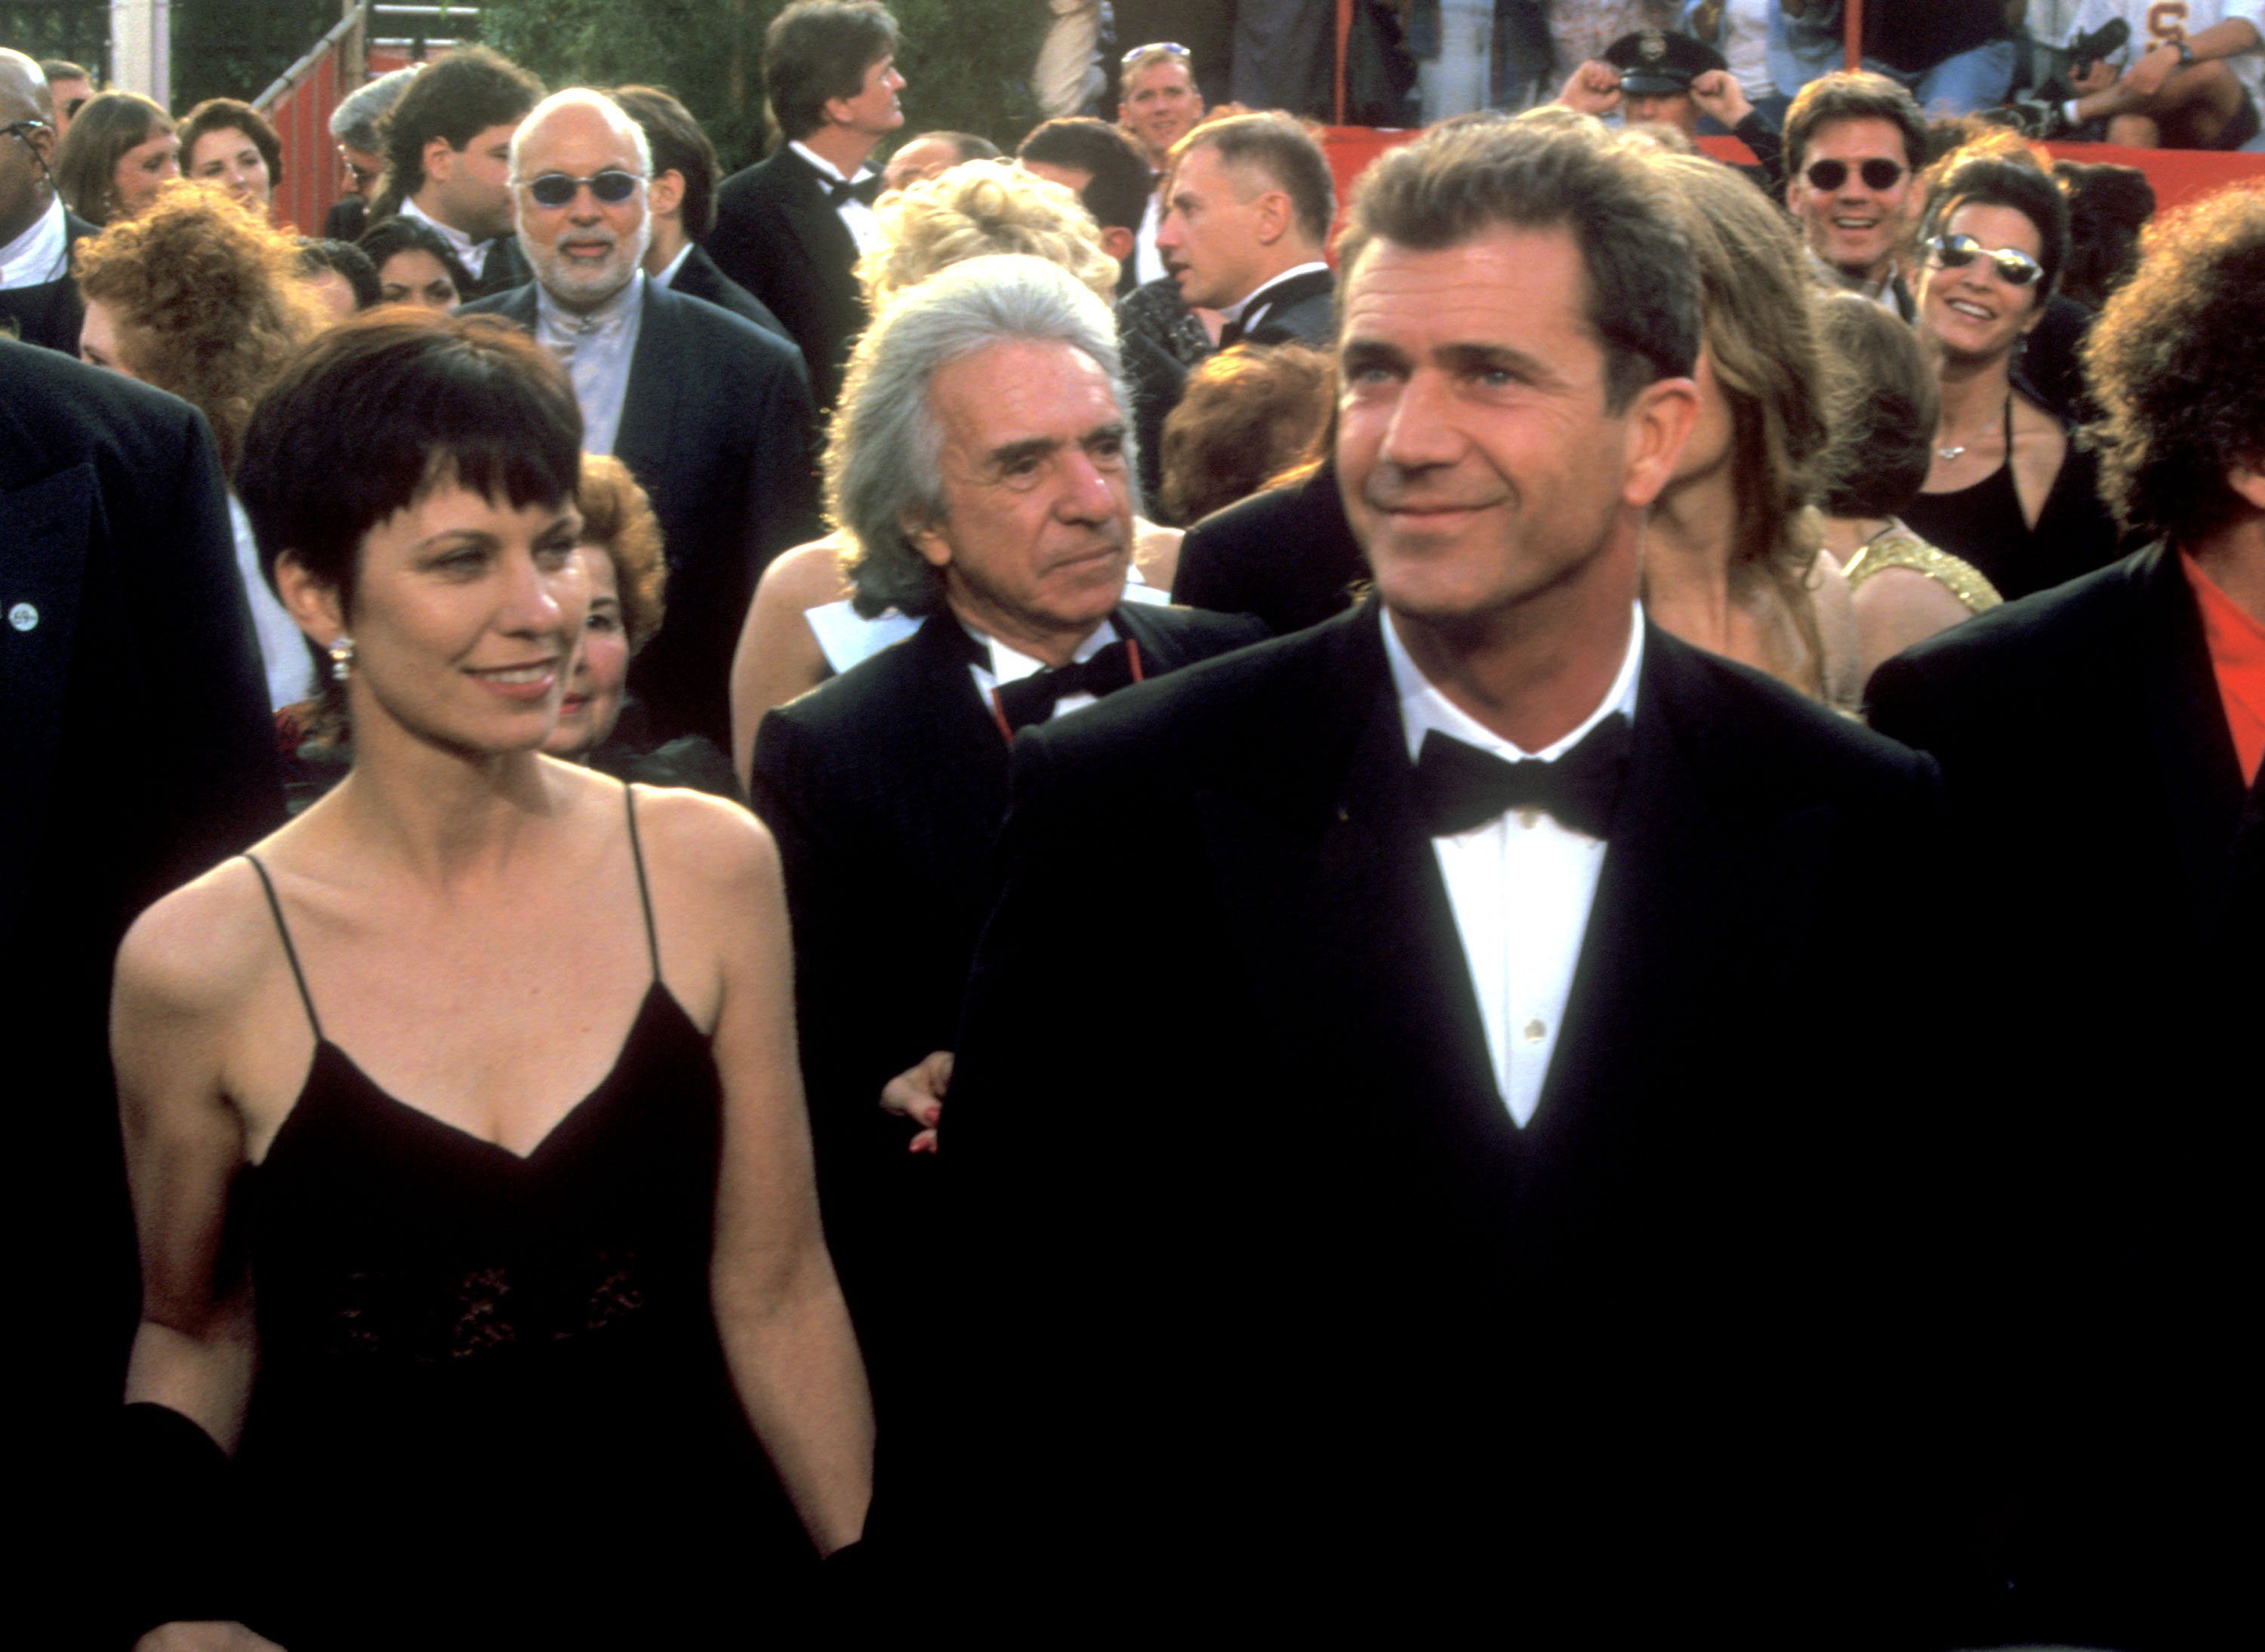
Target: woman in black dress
2010, 492
485, 1354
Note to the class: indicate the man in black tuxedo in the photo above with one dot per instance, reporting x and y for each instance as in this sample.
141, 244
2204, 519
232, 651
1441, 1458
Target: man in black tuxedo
790, 229
682, 202
38, 301
1407, 1197
135, 751
2128, 952
448, 161
885, 787
1247, 211
710, 413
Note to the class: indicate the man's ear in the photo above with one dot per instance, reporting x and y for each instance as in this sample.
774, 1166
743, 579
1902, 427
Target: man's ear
1275, 216
927, 537
2248, 481
1658, 422
1118, 243
440, 160
313, 604
663, 194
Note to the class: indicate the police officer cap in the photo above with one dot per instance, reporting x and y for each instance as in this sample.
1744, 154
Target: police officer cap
1654, 64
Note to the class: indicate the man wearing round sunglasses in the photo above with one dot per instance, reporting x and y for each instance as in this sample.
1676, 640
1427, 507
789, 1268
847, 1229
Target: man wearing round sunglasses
1853, 143
710, 413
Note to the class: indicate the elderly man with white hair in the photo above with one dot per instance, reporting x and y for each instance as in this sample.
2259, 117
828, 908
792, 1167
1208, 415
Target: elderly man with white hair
982, 467
710, 413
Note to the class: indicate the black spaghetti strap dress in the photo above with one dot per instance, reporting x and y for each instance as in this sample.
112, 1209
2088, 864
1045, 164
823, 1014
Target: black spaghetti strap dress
1983, 525
491, 1408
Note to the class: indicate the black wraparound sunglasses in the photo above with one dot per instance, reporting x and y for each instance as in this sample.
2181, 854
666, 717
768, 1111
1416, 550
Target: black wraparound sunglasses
1875, 172
610, 188
1956, 252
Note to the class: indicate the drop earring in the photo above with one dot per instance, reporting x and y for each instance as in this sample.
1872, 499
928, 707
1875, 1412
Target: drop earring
341, 651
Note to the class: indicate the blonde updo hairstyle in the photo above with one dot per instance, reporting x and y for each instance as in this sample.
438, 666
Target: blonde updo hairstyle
976, 209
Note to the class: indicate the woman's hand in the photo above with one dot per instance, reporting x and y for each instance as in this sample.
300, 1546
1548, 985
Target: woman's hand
917, 1094
204, 1637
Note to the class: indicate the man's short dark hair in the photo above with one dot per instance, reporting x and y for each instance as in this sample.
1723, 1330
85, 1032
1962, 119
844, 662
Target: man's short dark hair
2163, 362
2017, 185
1280, 147
1852, 95
1117, 193
680, 146
347, 261
57, 69
1458, 182
817, 50
455, 100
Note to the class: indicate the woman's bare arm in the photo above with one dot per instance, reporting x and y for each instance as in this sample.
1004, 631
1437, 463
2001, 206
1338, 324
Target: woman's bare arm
785, 1329
778, 656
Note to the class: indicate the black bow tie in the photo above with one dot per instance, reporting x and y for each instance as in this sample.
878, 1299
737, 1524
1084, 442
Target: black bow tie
1230, 335
1459, 787
865, 189
1032, 699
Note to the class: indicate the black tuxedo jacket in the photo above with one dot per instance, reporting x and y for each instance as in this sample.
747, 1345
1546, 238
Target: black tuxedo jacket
135, 751
48, 313
717, 426
2117, 866
1262, 1299
697, 277
1287, 556
1300, 310
886, 787
776, 235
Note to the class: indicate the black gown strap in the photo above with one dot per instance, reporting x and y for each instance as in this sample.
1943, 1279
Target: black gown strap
290, 952
645, 891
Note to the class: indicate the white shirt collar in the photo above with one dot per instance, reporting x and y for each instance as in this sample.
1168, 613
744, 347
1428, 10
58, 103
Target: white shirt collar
41, 254
1011, 665
473, 255
1424, 708
826, 167
667, 277
1237, 311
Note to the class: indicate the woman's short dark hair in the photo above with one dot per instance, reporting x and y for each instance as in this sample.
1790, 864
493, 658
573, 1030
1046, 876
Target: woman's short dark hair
817, 50
228, 114
1550, 170
86, 161
383, 408
1881, 404
2108, 207
346, 260
617, 518
1249, 414
403, 234
2166, 362
2018, 185
679, 145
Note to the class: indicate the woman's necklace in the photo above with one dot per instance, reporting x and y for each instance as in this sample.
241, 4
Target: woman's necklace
1948, 453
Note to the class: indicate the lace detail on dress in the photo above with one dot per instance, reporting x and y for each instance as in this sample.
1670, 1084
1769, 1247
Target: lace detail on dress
407, 1317
1897, 547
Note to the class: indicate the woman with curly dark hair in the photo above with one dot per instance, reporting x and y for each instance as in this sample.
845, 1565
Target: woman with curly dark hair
227, 143
201, 298
120, 150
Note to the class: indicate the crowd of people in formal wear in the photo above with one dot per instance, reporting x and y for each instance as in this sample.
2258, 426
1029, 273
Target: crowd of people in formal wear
1081, 893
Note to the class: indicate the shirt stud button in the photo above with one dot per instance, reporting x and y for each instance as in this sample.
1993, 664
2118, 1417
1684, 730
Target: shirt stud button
1535, 1030
1529, 818
22, 616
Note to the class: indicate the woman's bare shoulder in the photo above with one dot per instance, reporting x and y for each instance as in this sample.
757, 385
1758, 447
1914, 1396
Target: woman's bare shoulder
704, 840
805, 576
200, 950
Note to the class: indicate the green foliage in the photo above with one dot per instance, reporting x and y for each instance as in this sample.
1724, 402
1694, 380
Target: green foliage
235, 48
966, 62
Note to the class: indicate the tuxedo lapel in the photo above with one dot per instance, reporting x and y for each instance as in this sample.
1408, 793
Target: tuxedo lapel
1338, 901
2186, 730
820, 233
946, 734
649, 401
